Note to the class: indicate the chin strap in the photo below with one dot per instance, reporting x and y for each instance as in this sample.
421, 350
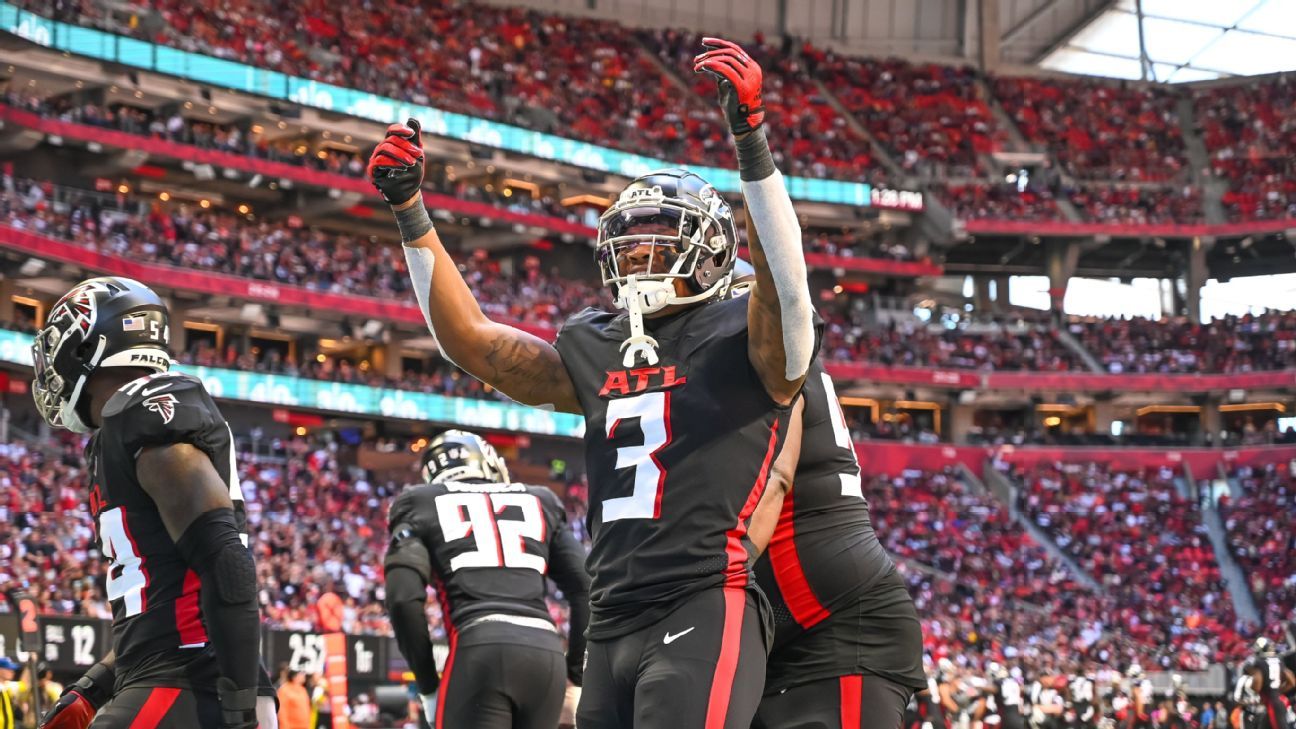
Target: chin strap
634, 298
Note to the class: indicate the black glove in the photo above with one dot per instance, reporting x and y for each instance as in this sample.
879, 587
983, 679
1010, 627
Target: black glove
238, 706
396, 165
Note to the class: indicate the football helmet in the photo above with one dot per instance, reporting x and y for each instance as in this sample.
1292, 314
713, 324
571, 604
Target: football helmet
1264, 647
690, 233
457, 455
102, 322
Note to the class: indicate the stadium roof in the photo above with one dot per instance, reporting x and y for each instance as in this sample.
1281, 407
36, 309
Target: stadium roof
1185, 40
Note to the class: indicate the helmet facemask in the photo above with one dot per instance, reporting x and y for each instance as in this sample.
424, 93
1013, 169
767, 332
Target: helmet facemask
686, 242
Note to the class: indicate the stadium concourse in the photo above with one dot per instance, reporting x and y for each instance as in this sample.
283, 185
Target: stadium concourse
1068, 491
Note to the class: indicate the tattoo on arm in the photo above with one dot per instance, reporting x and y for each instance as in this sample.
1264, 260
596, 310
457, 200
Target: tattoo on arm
530, 371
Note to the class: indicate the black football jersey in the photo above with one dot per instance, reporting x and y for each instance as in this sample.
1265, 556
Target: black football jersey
486, 547
824, 553
677, 455
158, 631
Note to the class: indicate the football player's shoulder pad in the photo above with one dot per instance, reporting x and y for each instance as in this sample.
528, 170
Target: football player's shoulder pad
162, 409
409, 502
592, 320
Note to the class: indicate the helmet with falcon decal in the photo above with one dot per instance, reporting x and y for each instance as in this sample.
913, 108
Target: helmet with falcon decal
102, 322
457, 455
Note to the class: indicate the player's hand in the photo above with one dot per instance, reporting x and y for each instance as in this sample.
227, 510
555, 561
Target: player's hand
738, 79
71, 711
396, 165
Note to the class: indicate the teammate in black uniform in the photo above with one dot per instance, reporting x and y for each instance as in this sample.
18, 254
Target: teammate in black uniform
1268, 680
169, 517
847, 642
686, 400
486, 544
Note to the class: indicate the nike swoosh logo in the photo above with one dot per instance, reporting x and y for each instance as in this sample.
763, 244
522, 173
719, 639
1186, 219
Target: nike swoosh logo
146, 392
672, 638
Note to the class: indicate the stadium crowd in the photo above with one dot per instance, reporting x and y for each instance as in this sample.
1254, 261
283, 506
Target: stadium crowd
1258, 521
1147, 546
1248, 343
601, 82
984, 588
287, 148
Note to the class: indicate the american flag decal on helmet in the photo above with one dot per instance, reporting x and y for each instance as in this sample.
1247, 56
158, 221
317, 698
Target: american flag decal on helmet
164, 405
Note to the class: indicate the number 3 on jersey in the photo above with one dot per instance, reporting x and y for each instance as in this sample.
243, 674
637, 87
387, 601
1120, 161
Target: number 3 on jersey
498, 541
653, 412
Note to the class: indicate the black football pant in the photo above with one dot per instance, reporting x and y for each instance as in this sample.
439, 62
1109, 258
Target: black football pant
159, 708
847, 702
700, 667
502, 676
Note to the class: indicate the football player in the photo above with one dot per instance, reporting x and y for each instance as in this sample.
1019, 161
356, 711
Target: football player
847, 649
1263, 681
487, 544
686, 407
168, 515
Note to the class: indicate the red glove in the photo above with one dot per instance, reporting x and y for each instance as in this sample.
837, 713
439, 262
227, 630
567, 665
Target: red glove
738, 79
71, 711
396, 165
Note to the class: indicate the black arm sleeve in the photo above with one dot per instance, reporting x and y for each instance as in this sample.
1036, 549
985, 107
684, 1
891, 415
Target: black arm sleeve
213, 548
406, 600
567, 569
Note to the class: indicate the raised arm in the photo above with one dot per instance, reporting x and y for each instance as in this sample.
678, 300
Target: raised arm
521, 365
779, 313
194, 503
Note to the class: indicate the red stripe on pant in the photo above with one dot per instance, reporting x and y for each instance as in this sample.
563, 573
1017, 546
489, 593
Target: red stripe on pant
735, 596
156, 706
188, 622
788, 573
444, 687
735, 604
852, 689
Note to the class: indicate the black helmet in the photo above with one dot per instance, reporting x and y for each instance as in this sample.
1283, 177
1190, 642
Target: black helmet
1264, 647
457, 455
101, 322
702, 247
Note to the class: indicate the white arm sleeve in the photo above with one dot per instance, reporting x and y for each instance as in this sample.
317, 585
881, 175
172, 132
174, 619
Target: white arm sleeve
420, 262
776, 223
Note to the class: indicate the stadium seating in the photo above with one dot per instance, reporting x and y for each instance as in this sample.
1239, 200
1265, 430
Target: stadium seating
1259, 523
1232, 344
1250, 133
1146, 546
638, 93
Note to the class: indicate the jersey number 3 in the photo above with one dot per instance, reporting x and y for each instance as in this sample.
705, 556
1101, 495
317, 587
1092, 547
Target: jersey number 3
498, 541
653, 412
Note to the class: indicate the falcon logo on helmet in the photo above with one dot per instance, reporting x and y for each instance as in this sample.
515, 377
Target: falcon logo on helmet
84, 332
77, 306
457, 455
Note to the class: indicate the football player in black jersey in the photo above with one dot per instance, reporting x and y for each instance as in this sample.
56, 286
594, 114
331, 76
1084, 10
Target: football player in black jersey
487, 544
686, 400
847, 648
169, 518
1267, 680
